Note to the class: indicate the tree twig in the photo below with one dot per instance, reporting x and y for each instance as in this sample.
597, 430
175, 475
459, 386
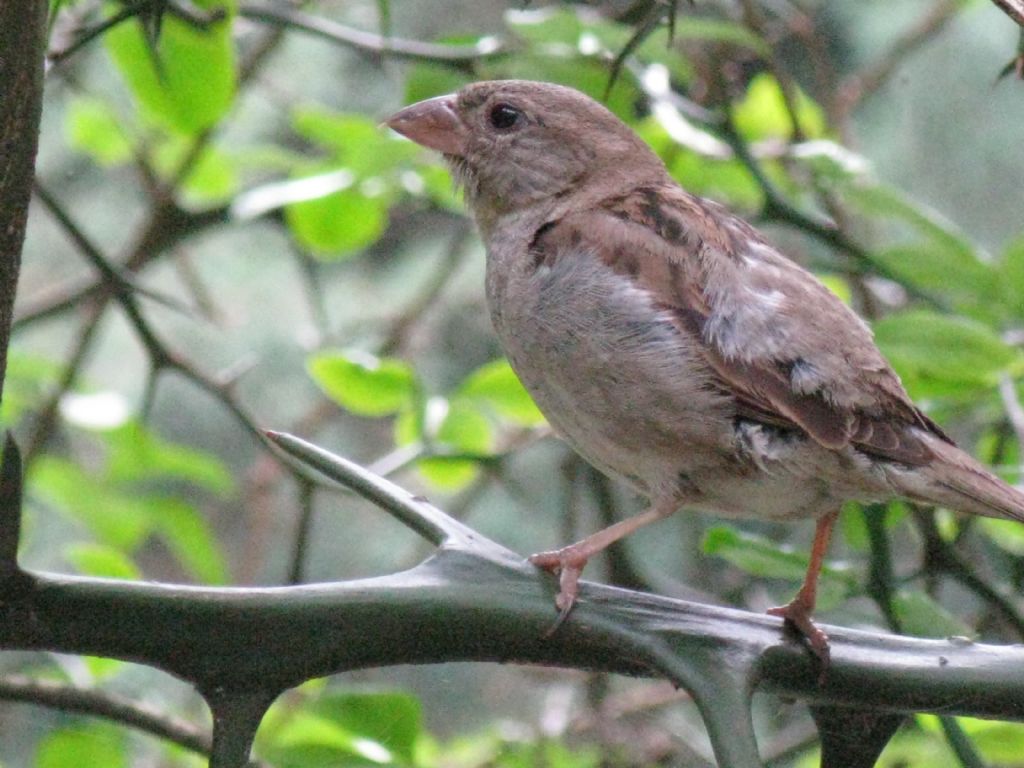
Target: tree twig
372, 43
778, 208
108, 706
941, 557
86, 36
855, 87
1012, 8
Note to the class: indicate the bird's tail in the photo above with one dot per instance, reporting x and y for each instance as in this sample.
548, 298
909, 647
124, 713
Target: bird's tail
954, 479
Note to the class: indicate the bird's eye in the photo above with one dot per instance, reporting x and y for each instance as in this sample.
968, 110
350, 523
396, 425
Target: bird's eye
504, 116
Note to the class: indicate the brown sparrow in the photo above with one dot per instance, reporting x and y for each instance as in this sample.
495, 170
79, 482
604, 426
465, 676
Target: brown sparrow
671, 345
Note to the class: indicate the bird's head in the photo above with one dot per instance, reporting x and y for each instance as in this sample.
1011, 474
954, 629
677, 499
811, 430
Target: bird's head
513, 144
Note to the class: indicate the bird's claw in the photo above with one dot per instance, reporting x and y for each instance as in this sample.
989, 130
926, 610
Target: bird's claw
567, 564
798, 616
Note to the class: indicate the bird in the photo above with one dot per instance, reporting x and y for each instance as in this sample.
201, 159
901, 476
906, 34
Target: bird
671, 345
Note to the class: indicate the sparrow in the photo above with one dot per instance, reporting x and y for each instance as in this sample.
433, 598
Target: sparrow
670, 344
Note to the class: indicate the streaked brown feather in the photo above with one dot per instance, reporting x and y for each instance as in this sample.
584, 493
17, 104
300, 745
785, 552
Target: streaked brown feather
663, 240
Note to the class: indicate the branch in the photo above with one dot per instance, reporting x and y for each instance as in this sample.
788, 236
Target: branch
22, 42
854, 88
110, 275
115, 284
942, 557
778, 208
1012, 8
86, 36
93, 703
166, 226
378, 45
473, 600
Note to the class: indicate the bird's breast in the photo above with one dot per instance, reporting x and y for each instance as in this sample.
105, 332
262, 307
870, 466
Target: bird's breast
610, 371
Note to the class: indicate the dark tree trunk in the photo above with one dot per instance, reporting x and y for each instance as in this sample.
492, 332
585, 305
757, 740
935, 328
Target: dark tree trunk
22, 41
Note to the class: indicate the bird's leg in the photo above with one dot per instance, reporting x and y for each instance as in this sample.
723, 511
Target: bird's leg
568, 562
798, 611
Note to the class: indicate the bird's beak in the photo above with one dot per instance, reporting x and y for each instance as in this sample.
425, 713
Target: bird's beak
434, 123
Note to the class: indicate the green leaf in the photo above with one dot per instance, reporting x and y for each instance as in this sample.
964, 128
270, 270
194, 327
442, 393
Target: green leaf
1008, 535
409, 423
942, 355
439, 187
887, 203
760, 557
563, 32
1011, 277
309, 739
354, 141
392, 720
497, 385
187, 81
101, 668
754, 554
27, 378
345, 134
190, 538
655, 48
464, 429
364, 384
727, 180
357, 729
212, 176
119, 520
93, 128
762, 113
337, 224
548, 753
999, 743
942, 268
712, 30
102, 561
838, 284
921, 616
136, 453
854, 526
212, 179
97, 744
545, 26
426, 80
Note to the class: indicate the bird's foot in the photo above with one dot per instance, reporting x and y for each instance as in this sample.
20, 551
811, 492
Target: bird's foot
567, 563
798, 615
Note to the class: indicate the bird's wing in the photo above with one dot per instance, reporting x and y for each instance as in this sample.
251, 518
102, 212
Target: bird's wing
787, 349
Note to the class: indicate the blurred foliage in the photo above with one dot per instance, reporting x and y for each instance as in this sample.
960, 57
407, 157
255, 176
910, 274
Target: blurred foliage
329, 262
